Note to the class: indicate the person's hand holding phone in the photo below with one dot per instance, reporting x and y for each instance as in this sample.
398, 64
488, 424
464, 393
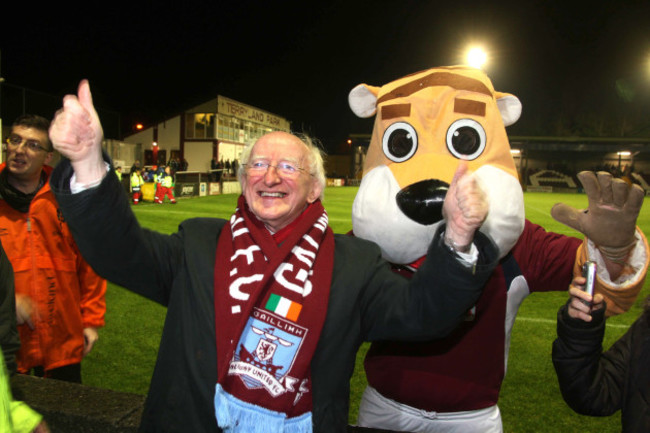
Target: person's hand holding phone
583, 302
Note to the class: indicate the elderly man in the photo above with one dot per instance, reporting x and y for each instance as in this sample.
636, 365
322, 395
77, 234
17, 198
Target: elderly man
266, 311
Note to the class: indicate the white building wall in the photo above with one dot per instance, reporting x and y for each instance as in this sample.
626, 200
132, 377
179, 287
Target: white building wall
198, 155
169, 135
144, 137
230, 151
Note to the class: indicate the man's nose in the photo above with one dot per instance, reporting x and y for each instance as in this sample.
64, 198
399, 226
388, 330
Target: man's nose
22, 148
272, 176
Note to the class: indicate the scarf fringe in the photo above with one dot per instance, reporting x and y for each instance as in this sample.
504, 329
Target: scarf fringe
237, 416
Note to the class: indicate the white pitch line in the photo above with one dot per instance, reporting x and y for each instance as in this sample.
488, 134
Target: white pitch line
552, 322
539, 210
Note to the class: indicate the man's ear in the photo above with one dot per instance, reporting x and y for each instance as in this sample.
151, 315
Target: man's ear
48, 158
242, 182
315, 192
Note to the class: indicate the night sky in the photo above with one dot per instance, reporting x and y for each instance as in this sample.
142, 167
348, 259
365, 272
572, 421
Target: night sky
148, 62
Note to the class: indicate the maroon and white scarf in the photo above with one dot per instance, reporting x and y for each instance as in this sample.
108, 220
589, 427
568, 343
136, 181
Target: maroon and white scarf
270, 306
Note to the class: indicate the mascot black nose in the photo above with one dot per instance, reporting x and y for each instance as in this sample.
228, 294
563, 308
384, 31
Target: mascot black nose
422, 202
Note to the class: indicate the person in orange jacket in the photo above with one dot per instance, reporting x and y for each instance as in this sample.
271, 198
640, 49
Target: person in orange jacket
59, 298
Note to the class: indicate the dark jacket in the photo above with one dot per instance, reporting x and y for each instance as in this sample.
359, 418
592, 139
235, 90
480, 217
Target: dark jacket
367, 302
600, 383
9, 340
445, 375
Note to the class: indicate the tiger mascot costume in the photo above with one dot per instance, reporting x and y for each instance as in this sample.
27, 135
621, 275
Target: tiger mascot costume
425, 124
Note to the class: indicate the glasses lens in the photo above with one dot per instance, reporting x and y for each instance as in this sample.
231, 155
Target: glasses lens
287, 169
32, 145
284, 169
258, 166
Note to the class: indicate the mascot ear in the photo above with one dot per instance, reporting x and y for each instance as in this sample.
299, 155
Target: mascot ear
509, 106
363, 100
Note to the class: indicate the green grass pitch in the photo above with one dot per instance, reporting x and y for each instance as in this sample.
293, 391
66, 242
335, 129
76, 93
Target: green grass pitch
530, 401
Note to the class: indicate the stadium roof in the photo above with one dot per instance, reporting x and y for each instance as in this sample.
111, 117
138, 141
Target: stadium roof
581, 144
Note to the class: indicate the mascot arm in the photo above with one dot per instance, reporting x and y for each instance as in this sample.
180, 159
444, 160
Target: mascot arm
612, 238
610, 219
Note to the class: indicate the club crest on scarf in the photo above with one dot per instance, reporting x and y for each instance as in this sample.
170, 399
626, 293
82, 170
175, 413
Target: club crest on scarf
266, 352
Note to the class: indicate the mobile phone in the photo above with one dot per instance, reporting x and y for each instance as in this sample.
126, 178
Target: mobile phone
589, 272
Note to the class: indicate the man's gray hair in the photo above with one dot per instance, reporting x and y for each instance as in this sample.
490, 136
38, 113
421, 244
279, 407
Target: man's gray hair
316, 163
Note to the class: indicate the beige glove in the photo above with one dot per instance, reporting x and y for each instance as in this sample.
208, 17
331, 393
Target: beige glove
610, 220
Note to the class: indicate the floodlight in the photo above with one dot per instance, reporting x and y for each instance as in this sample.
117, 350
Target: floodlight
476, 57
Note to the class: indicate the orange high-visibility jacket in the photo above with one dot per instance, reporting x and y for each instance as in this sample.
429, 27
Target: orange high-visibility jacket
48, 268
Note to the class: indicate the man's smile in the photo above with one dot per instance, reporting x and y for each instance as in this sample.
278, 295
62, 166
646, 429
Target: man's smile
272, 194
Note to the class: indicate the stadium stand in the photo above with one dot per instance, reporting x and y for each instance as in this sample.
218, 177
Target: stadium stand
642, 180
551, 178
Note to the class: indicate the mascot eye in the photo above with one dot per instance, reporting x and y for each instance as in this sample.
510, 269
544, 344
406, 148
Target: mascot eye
400, 141
466, 139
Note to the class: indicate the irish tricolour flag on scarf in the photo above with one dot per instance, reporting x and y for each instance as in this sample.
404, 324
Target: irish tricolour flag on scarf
283, 307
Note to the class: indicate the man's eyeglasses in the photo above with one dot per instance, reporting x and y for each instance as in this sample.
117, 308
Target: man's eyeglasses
284, 169
14, 141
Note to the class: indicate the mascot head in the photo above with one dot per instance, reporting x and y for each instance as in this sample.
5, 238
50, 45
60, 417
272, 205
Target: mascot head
425, 123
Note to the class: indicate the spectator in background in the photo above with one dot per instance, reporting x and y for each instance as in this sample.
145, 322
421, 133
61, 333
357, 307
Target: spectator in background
220, 172
15, 416
9, 339
59, 299
235, 166
600, 383
135, 166
158, 196
166, 186
214, 166
136, 185
227, 168
118, 172
149, 174
173, 165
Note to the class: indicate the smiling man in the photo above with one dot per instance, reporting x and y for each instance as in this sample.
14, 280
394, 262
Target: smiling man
59, 299
266, 310
275, 183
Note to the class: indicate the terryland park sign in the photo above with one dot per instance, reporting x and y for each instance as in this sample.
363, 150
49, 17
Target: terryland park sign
246, 112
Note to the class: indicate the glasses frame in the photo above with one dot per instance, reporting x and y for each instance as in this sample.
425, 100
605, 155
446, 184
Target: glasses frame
264, 167
29, 143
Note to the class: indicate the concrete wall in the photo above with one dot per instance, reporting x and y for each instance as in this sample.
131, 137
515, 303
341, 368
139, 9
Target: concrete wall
72, 408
